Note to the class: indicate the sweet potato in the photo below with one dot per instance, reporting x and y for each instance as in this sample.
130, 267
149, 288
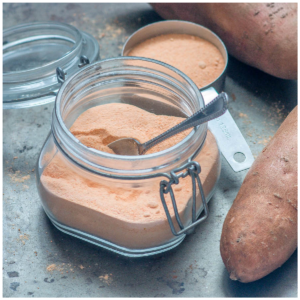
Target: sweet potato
260, 230
263, 35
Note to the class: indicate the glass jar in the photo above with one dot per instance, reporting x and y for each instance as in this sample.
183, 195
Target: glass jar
132, 205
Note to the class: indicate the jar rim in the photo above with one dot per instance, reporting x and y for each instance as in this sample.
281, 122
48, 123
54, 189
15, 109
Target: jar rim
199, 130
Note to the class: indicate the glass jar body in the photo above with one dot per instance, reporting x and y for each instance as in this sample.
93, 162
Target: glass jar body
114, 201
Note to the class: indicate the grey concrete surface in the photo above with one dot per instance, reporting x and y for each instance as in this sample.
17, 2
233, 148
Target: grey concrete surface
258, 102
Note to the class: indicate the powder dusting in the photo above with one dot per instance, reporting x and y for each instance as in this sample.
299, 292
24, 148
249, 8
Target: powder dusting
107, 278
194, 56
23, 237
17, 177
61, 268
51, 268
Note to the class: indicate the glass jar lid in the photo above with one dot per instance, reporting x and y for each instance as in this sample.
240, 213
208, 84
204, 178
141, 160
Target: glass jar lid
31, 54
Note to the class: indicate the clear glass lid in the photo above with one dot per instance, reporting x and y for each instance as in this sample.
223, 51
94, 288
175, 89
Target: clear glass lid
31, 54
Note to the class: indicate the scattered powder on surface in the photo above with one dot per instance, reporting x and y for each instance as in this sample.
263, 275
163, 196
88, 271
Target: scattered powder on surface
107, 278
265, 141
194, 56
241, 115
23, 237
127, 215
62, 268
16, 177
51, 268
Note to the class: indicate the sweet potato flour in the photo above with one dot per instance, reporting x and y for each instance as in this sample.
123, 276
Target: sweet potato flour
196, 57
129, 216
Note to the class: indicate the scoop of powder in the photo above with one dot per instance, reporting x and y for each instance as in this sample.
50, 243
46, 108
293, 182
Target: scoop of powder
194, 56
103, 124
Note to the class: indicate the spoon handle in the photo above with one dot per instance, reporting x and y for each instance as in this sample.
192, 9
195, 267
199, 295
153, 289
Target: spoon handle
214, 109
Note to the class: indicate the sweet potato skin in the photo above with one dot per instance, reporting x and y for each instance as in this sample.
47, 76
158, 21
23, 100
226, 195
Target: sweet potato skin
263, 35
260, 230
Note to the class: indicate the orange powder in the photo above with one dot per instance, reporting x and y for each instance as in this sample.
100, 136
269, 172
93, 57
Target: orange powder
194, 56
103, 124
130, 216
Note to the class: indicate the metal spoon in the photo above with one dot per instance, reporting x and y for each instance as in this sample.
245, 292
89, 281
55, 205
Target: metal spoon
130, 146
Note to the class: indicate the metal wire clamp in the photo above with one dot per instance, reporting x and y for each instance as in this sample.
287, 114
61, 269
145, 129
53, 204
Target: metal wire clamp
193, 169
61, 75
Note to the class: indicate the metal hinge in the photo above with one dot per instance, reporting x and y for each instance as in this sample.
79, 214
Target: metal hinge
193, 170
61, 75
